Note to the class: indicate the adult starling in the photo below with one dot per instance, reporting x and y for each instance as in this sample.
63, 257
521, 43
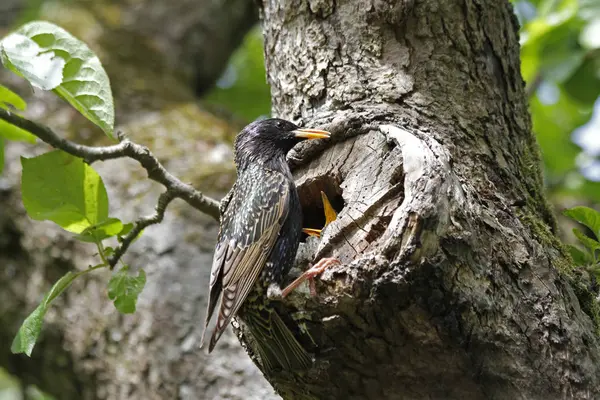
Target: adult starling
261, 223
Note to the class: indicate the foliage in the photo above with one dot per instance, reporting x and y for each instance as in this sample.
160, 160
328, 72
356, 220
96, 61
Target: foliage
32, 326
51, 59
9, 99
588, 257
560, 54
125, 289
57, 186
74, 194
242, 88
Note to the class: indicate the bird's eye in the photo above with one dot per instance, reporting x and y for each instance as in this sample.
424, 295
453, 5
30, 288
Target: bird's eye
279, 125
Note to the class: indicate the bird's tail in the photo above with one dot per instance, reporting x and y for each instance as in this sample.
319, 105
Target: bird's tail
275, 342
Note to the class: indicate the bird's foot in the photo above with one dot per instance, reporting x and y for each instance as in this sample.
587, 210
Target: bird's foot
312, 272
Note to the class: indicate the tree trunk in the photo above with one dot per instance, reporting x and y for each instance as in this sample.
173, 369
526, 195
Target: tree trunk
453, 283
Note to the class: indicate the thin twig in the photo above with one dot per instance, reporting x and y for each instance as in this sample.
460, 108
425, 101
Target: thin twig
163, 201
125, 148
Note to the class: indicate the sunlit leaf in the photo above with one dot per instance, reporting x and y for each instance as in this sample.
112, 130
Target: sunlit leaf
589, 243
103, 230
24, 56
61, 188
9, 131
52, 59
585, 216
8, 97
126, 229
12, 132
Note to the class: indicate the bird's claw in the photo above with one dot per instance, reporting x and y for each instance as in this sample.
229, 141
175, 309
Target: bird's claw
310, 274
321, 266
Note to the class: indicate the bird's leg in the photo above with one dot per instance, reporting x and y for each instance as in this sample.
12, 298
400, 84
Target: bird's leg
313, 271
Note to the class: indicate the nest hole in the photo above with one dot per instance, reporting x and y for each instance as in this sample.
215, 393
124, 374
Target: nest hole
312, 203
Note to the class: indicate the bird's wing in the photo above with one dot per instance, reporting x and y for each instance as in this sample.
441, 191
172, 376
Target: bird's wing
249, 229
215, 291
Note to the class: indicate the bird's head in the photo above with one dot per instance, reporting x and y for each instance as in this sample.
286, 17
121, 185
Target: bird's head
269, 140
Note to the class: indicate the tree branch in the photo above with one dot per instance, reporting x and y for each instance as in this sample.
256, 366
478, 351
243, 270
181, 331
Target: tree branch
161, 206
126, 148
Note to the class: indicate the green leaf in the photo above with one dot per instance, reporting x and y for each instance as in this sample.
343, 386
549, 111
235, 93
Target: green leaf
61, 188
579, 257
26, 58
30, 330
595, 269
591, 244
560, 54
550, 42
586, 216
12, 132
103, 230
8, 97
126, 229
584, 84
552, 124
1, 156
52, 59
108, 251
124, 289
60, 286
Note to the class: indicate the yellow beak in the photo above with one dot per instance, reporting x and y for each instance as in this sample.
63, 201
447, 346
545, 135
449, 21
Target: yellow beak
311, 134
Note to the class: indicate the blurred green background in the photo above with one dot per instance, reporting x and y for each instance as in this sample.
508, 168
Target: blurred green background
560, 50
560, 61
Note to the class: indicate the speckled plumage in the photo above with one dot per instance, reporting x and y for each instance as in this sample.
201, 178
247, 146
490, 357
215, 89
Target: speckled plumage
260, 232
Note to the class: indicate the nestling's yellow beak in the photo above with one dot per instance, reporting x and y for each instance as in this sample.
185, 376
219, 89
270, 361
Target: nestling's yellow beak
311, 134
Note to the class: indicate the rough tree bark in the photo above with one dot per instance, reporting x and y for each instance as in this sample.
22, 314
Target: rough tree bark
453, 285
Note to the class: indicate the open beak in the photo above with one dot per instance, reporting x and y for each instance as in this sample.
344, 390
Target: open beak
311, 134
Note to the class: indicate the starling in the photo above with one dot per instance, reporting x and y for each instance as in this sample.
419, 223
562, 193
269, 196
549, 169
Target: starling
261, 224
